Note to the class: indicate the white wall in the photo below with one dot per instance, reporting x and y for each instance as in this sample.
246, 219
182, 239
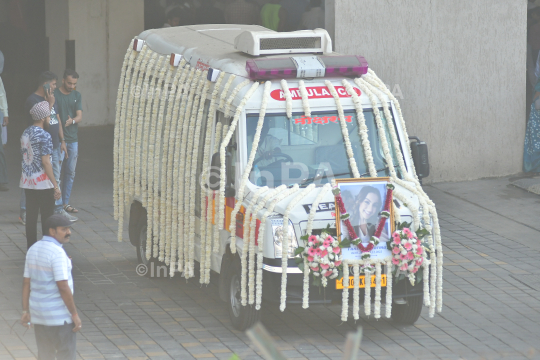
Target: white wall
102, 30
461, 68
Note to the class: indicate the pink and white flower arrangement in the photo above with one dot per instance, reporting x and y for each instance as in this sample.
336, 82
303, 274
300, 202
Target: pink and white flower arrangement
408, 253
323, 255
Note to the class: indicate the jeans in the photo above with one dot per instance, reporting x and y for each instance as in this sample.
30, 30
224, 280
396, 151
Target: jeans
57, 166
56, 342
68, 171
37, 201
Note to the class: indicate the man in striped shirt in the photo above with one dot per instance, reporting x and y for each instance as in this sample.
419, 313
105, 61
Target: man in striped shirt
48, 293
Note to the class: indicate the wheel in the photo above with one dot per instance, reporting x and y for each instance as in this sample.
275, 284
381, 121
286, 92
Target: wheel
242, 317
152, 268
410, 312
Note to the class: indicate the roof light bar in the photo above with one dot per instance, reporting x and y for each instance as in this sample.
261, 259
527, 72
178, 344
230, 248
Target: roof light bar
287, 68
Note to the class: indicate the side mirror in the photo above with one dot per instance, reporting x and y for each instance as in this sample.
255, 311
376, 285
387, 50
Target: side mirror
420, 157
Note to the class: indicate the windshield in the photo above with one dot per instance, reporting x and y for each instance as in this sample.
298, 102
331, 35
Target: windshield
311, 149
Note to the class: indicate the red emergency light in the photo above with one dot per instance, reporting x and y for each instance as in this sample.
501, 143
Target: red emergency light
286, 68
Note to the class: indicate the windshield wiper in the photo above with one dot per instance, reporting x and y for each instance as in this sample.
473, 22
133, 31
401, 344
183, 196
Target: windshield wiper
319, 177
378, 171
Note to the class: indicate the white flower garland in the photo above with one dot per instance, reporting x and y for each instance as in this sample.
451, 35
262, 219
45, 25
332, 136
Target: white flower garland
193, 182
159, 246
224, 143
389, 289
285, 243
280, 194
288, 98
185, 170
356, 290
344, 130
248, 246
425, 280
345, 293
149, 129
305, 98
123, 88
367, 291
225, 90
227, 110
177, 249
247, 170
206, 214
136, 121
377, 290
362, 128
168, 165
309, 229
142, 124
124, 134
215, 194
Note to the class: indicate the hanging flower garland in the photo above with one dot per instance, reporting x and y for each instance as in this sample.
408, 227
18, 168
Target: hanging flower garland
389, 281
176, 94
135, 124
285, 243
309, 229
193, 181
225, 142
185, 171
247, 170
252, 228
206, 214
215, 197
288, 98
248, 245
124, 133
177, 250
158, 242
149, 124
305, 98
227, 110
225, 91
356, 291
344, 130
282, 194
345, 294
362, 128
123, 87
142, 124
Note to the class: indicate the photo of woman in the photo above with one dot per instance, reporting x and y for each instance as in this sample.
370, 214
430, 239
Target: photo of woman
364, 201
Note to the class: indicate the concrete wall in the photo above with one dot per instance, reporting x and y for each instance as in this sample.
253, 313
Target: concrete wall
102, 30
461, 68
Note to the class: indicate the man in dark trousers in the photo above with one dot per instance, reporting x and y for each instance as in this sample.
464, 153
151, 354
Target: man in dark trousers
37, 179
47, 296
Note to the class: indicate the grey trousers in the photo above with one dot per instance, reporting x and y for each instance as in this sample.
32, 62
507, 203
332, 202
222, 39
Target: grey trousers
56, 342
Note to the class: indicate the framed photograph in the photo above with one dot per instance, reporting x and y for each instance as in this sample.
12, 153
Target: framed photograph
364, 200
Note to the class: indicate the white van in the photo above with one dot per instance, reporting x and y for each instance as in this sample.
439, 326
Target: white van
279, 116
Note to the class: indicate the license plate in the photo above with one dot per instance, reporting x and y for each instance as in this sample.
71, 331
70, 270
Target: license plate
339, 282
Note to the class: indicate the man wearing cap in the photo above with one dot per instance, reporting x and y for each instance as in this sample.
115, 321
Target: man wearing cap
37, 179
47, 296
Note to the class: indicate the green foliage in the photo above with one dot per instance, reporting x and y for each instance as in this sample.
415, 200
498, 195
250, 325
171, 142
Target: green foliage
298, 251
421, 233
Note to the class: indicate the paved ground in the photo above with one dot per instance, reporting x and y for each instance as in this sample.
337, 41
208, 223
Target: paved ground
491, 285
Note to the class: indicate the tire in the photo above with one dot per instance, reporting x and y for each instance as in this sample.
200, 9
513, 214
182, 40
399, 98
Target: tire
242, 317
410, 312
154, 268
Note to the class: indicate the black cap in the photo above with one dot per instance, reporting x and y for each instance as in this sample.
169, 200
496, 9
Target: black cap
56, 220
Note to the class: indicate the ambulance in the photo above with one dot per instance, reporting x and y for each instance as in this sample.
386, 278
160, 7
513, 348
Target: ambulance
230, 143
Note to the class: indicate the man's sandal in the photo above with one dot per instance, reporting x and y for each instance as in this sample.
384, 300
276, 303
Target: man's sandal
70, 209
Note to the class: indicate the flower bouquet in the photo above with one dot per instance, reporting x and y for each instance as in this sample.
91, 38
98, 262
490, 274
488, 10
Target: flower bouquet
323, 255
408, 253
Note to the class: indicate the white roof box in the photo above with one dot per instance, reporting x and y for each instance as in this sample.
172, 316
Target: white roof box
270, 42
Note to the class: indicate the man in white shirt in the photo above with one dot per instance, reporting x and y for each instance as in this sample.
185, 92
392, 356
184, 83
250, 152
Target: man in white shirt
47, 297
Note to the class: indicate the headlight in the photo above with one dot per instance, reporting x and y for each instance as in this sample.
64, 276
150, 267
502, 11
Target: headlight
277, 236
